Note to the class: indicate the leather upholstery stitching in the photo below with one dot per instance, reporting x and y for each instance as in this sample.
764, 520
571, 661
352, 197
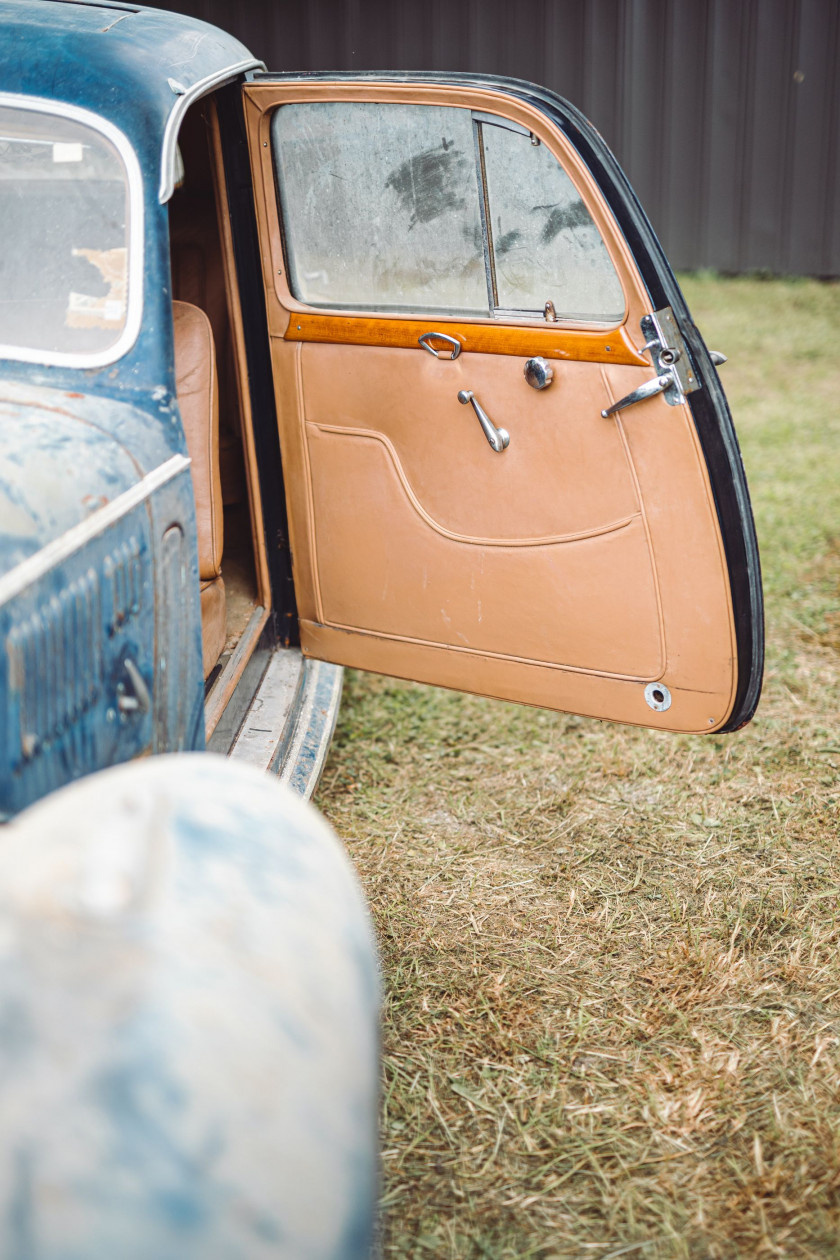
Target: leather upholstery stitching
545, 541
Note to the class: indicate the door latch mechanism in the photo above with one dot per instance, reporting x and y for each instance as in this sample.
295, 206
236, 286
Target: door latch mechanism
669, 353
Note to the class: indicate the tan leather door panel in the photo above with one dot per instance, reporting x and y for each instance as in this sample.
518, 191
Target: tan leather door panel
553, 524
575, 569
563, 474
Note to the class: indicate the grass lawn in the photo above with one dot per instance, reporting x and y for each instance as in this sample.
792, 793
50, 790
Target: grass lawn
612, 1017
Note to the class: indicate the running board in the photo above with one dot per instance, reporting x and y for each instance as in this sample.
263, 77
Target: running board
290, 723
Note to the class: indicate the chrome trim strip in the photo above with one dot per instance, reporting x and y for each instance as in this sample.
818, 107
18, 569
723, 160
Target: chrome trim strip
33, 568
180, 107
302, 754
134, 314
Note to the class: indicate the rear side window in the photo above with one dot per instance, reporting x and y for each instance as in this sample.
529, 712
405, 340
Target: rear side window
64, 247
424, 208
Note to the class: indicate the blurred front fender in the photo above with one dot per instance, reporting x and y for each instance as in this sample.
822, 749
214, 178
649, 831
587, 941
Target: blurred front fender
189, 1002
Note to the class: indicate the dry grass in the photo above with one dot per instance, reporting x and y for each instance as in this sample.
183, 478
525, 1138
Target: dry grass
611, 956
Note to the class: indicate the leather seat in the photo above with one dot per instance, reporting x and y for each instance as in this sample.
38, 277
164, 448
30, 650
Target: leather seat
196, 384
198, 277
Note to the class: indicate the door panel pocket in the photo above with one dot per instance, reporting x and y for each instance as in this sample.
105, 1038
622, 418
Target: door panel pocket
386, 567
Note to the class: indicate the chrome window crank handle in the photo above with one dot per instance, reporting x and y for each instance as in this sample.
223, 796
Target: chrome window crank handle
499, 439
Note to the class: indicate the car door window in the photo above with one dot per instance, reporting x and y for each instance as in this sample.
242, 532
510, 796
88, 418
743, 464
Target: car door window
545, 246
432, 208
381, 206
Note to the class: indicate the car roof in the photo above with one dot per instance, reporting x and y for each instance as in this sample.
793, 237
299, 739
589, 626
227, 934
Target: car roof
136, 66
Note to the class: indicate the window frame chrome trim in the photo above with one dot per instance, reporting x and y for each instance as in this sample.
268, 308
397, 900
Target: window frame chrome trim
136, 220
182, 102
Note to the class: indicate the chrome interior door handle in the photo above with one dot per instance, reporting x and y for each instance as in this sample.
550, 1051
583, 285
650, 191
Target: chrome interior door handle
499, 439
439, 336
647, 390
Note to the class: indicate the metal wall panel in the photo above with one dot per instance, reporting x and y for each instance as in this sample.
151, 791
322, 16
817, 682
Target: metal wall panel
724, 113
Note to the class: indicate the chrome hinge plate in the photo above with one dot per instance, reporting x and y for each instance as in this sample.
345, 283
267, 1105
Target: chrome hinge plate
669, 354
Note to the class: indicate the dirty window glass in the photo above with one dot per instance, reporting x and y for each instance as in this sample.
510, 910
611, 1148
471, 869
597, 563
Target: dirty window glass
545, 244
64, 238
381, 206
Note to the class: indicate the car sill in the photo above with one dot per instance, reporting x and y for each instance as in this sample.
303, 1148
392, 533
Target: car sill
290, 723
225, 685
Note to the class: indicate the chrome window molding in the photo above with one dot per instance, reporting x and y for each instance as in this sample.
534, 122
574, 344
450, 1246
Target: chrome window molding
186, 96
33, 568
134, 313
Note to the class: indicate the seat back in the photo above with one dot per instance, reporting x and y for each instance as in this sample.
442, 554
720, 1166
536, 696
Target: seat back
198, 398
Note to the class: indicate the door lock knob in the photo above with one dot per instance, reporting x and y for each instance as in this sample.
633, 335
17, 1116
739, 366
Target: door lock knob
539, 373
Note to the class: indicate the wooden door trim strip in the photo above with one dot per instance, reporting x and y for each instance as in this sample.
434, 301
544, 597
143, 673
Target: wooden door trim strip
595, 346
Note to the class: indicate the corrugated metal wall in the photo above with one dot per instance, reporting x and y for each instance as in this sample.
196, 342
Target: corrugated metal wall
724, 113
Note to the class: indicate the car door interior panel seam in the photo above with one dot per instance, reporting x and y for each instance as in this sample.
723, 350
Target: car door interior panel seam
411, 579
640, 679
308, 482
665, 444
542, 685
471, 539
660, 611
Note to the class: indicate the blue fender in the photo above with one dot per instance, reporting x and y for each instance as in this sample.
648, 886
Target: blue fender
189, 998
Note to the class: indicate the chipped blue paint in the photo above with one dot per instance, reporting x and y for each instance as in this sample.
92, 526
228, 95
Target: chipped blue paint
55, 470
63, 459
195, 1071
60, 670
72, 440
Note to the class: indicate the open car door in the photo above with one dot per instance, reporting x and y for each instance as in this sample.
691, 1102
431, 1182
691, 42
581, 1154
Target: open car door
510, 467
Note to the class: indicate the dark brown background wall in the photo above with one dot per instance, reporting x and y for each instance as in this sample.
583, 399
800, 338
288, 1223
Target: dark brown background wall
724, 113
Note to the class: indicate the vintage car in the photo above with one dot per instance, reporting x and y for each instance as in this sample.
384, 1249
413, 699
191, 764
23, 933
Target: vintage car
302, 371
390, 363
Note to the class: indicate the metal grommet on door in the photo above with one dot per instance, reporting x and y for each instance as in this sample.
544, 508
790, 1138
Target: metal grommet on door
658, 696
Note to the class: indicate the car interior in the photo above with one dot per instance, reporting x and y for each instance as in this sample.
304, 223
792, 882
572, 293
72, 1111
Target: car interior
235, 596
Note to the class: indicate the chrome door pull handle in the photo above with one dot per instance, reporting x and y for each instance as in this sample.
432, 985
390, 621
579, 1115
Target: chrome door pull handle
438, 336
671, 357
647, 390
499, 439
